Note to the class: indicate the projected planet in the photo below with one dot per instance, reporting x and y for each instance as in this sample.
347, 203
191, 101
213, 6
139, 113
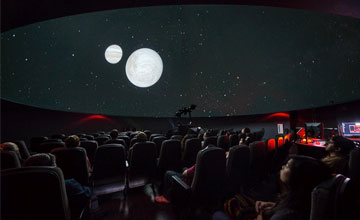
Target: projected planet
113, 54
144, 67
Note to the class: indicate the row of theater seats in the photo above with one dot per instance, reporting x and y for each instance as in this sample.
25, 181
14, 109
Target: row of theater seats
245, 165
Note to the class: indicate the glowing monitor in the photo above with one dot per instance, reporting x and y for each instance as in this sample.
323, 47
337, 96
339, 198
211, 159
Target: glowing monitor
350, 129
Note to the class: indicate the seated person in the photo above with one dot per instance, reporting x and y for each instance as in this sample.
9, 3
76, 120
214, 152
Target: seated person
246, 137
78, 195
114, 134
187, 176
338, 149
141, 137
299, 176
10, 146
73, 141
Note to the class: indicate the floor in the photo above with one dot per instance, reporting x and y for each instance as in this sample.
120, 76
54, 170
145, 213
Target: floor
139, 204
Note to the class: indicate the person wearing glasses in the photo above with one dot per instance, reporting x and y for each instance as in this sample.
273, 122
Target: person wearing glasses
338, 149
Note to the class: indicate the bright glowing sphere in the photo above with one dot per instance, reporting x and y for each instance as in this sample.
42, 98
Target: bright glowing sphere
144, 67
113, 54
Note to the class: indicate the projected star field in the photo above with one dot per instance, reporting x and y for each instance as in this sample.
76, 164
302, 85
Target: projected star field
227, 60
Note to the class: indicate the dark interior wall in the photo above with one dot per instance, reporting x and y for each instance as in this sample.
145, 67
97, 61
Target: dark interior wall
22, 122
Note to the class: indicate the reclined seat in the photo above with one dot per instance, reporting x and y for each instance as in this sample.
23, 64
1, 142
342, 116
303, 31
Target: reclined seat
9, 159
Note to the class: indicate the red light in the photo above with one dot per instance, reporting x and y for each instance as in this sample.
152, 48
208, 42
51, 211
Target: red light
278, 114
96, 117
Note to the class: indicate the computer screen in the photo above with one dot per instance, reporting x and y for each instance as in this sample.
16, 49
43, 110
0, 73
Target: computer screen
350, 129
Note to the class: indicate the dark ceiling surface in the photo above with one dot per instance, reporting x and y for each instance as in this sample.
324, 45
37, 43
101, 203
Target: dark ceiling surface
16, 13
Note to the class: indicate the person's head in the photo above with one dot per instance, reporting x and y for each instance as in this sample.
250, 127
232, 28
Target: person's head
114, 133
141, 136
9, 146
41, 159
245, 131
72, 141
300, 174
340, 145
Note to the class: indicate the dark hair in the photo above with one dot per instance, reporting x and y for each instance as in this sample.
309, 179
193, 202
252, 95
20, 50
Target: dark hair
72, 141
247, 130
305, 174
344, 144
114, 133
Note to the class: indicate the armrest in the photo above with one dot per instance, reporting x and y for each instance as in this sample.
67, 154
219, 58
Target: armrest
180, 183
180, 197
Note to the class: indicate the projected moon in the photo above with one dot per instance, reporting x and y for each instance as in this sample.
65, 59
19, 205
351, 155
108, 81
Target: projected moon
144, 67
113, 54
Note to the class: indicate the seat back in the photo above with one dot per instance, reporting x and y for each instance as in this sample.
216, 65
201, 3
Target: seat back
257, 161
35, 142
222, 142
152, 136
34, 193
210, 141
192, 147
90, 146
24, 151
47, 147
209, 177
126, 139
237, 167
170, 156
158, 140
116, 141
73, 164
329, 200
89, 137
142, 163
101, 140
177, 137
9, 159
109, 169
233, 140
354, 166
109, 161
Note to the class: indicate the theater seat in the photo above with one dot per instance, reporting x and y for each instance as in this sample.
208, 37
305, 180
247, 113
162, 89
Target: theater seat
170, 157
126, 139
24, 152
354, 165
109, 169
222, 143
192, 147
101, 140
9, 159
34, 193
35, 143
90, 146
207, 185
158, 140
47, 147
237, 167
258, 169
73, 164
332, 200
210, 141
233, 140
142, 164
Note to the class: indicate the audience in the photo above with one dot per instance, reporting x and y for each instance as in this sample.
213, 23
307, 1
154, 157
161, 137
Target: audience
246, 137
338, 149
77, 194
299, 176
